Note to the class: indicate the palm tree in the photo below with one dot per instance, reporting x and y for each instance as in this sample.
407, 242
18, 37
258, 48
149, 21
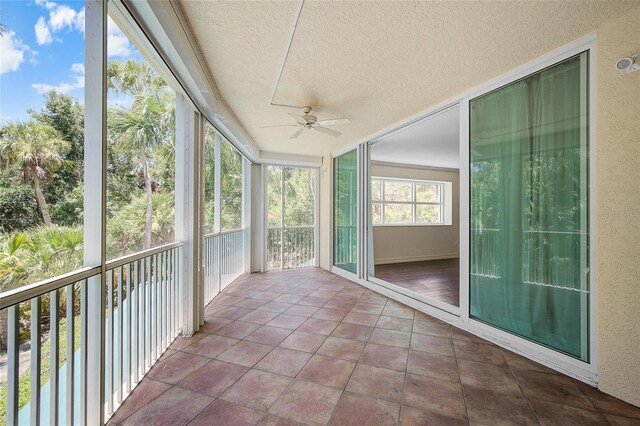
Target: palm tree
146, 125
35, 149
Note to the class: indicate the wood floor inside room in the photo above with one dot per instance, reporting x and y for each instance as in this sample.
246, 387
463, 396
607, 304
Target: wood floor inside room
439, 279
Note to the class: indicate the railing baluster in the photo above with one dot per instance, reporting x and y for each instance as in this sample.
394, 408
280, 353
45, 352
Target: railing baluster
142, 313
135, 358
83, 357
120, 364
110, 352
70, 406
36, 361
128, 330
54, 352
13, 362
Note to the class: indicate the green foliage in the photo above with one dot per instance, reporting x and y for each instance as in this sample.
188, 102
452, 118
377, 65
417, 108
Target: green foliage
125, 228
39, 253
18, 207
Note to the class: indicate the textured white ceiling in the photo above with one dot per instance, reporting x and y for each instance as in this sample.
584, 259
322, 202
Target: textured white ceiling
374, 62
433, 141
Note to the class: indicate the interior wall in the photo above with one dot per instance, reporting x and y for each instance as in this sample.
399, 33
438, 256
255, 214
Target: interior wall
618, 210
396, 244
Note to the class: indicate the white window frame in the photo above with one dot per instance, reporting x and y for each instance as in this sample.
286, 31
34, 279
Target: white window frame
445, 199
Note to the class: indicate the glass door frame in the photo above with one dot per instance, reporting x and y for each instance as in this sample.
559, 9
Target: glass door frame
265, 221
581, 370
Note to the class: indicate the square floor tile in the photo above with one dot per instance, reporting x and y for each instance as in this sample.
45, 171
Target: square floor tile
268, 335
382, 336
283, 361
349, 350
250, 303
257, 390
211, 324
315, 302
213, 378
176, 367
350, 331
330, 314
211, 345
494, 377
307, 402
384, 356
146, 391
400, 311
224, 413
440, 396
275, 306
552, 388
238, 329
432, 365
327, 371
272, 420
301, 310
482, 352
432, 327
367, 308
289, 298
174, 407
556, 414
287, 321
232, 313
361, 319
302, 341
414, 416
245, 353
318, 326
259, 317
376, 382
394, 323
488, 407
182, 342
432, 344
360, 410
607, 403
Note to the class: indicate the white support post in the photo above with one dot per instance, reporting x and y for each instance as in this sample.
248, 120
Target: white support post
95, 189
246, 213
217, 176
186, 225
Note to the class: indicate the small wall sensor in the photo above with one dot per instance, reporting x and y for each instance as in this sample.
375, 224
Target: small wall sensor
628, 64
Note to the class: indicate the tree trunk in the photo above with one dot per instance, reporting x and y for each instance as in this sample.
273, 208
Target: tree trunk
149, 210
44, 209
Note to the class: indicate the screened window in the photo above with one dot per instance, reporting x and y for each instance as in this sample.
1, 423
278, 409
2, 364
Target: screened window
408, 202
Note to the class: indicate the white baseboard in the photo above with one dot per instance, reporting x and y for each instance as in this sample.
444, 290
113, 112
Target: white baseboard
390, 260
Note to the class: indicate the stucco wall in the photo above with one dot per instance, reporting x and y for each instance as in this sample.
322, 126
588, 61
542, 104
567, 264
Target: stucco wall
618, 210
394, 244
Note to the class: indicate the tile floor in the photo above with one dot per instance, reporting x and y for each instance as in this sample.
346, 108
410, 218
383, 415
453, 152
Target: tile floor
439, 279
308, 347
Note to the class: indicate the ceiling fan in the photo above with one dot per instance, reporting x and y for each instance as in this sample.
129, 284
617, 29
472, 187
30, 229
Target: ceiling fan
311, 122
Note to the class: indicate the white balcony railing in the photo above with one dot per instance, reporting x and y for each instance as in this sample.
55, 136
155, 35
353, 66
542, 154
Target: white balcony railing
290, 247
47, 335
223, 261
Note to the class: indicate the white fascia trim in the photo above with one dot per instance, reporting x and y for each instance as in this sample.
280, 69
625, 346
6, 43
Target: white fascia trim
166, 26
283, 159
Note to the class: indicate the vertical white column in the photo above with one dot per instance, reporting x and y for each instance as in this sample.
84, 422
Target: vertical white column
217, 175
95, 189
258, 218
246, 214
187, 172
465, 217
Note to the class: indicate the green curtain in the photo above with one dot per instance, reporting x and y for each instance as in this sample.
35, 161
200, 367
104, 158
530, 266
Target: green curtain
345, 211
529, 207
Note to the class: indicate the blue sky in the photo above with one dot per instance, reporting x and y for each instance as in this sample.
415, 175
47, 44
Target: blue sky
43, 49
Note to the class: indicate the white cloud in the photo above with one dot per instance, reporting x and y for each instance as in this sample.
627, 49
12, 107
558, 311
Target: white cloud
46, 4
12, 52
43, 34
78, 68
64, 88
117, 43
62, 17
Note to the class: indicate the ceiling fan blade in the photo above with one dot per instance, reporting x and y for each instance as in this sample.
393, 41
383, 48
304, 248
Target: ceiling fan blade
299, 118
279, 125
296, 133
327, 131
334, 121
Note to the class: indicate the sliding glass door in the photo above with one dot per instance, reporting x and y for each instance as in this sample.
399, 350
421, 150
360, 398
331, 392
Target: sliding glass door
345, 211
529, 189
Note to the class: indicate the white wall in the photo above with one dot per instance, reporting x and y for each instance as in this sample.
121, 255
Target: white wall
395, 244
